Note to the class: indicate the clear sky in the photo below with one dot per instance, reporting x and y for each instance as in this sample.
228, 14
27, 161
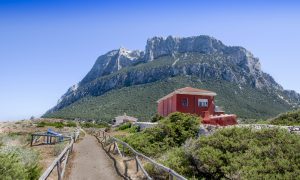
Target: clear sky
47, 46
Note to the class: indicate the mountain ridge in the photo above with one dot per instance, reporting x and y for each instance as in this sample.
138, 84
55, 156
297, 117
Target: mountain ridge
201, 56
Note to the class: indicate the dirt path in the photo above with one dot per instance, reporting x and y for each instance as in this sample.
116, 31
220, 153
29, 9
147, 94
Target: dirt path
91, 162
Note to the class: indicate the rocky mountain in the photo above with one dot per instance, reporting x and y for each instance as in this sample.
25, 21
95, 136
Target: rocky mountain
202, 58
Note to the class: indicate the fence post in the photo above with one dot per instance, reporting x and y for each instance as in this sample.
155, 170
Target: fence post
123, 150
58, 170
114, 148
109, 147
137, 164
170, 176
31, 140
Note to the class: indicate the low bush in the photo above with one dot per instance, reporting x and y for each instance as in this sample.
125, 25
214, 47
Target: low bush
71, 124
128, 127
238, 153
56, 124
156, 118
93, 125
287, 119
170, 132
124, 126
41, 124
11, 167
18, 163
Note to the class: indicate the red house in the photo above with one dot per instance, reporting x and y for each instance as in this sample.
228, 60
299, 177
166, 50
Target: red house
195, 101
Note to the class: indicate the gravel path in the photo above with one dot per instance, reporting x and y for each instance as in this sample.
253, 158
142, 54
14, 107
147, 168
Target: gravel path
91, 162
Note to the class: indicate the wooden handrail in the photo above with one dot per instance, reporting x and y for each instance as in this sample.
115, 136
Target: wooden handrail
61, 161
114, 140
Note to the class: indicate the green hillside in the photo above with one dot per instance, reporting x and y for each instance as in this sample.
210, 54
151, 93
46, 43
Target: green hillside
140, 100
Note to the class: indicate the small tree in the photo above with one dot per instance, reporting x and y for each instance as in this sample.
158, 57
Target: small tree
156, 118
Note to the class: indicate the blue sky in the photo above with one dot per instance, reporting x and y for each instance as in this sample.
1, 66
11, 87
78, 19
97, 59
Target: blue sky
47, 46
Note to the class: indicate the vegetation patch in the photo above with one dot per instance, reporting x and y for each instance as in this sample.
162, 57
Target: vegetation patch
56, 124
237, 153
93, 125
128, 127
170, 132
140, 100
288, 119
19, 163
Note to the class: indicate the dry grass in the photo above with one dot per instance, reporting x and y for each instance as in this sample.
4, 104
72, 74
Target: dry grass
18, 134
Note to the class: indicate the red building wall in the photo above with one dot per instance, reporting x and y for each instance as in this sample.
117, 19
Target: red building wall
193, 107
167, 106
160, 108
174, 103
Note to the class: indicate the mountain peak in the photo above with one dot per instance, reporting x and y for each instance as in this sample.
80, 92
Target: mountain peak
131, 55
160, 46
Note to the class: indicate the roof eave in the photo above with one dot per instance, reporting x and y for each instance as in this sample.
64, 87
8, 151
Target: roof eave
189, 93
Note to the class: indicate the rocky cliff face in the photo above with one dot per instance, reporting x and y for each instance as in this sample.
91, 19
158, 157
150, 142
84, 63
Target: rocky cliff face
203, 57
111, 62
158, 46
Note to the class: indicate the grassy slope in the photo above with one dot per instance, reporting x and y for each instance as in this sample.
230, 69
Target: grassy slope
140, 100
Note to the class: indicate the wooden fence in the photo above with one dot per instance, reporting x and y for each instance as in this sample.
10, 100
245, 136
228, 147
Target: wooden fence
61, 161
43, 139
113, 142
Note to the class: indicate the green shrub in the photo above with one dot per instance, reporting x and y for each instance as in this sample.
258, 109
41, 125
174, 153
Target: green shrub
176, 158
59, 124
71, 124
41, 124
287, 119
128, 127
156, 118
19, 164
238, 153
155, 172
93, 125
170, 132
11, 167
124, 126
56, 124
133, 129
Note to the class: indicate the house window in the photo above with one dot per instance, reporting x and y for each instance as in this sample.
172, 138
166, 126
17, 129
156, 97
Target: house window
202, 102
185, 102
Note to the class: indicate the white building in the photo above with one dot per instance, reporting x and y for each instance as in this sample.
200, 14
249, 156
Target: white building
123, 119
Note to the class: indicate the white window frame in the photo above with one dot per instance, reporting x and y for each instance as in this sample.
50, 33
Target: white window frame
202, 103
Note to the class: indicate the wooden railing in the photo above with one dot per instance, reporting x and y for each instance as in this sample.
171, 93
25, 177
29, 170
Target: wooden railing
43, 139
61, 161
107, 139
